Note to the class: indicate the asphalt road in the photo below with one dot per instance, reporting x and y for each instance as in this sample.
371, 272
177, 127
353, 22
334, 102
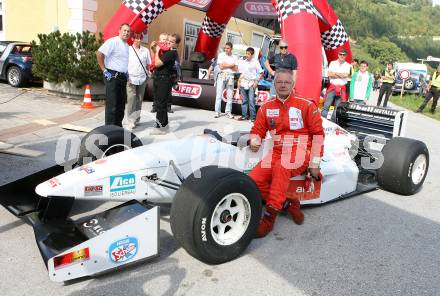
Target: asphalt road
374, 244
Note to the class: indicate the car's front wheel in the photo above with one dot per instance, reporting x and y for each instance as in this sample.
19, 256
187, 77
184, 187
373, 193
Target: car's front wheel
15, 76
215, 214
104, 141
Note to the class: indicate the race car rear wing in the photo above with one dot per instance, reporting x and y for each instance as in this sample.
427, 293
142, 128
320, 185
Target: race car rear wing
367, 120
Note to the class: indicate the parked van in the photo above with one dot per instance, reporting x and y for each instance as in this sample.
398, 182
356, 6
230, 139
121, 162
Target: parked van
418, 76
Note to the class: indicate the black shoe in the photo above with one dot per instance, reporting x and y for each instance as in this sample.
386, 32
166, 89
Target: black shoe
170, 110
153, 110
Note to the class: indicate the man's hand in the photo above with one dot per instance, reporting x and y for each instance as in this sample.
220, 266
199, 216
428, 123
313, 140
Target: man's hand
315, 173
255, 84
107, 75
255, 144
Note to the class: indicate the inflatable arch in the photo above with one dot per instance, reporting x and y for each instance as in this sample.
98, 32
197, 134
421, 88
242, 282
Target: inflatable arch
307, 25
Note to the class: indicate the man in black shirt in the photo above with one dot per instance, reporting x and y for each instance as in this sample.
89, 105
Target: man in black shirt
163, 81
282, 60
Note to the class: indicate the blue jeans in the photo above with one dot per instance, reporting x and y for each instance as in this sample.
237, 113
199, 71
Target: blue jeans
248, 98
331, 96
222, 84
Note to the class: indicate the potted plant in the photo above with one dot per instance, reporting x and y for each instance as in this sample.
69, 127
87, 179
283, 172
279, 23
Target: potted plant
67, 62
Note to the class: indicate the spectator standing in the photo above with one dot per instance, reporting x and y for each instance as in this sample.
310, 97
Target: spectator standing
112, 58
163, 47
376, 81
433, 92
227, 62
281, 60
338, 72
139, 61
354, 68
361, 84
250, 73
388, 79
163, 81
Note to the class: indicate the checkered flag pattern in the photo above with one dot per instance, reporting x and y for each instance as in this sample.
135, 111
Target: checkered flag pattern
211, 28
288, 7
153, 10
334, 37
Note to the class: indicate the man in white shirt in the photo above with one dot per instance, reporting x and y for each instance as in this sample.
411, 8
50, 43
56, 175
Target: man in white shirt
112, 58
250, 73
139, 61
338, 72
227, 63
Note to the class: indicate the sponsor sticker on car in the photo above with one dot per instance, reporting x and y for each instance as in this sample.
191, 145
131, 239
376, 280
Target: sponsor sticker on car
87, 169
122, 185
187, 90
77, 256
93, 190
123, 250
54, 182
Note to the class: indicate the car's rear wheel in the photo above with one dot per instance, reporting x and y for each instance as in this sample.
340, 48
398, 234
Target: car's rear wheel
15, 76
406, 163
215, 214
104, 141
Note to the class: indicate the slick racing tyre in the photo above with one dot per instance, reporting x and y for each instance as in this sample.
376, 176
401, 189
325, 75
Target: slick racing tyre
104, 141
215, 214
405, 166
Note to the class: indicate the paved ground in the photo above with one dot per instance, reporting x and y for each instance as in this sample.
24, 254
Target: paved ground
375, 244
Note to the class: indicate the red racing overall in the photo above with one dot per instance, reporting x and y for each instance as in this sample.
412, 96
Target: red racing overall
296, 128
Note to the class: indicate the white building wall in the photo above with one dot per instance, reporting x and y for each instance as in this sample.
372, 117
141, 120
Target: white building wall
82, 16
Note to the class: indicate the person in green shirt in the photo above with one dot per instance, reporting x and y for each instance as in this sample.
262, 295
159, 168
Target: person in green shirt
433, 92
361, 84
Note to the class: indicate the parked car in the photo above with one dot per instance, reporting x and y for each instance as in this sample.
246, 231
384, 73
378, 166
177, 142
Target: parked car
415, 82
16, 62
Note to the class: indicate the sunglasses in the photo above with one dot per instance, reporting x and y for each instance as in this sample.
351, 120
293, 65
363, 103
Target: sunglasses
283, 47
342, 54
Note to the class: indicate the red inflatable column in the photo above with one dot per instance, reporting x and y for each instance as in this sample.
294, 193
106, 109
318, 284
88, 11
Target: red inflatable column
299, 26
214, 24
333, 35
137, 13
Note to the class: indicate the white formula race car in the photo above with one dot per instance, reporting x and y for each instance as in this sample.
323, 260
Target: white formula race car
215, 206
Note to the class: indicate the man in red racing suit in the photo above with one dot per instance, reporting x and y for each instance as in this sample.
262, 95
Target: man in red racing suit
295, 125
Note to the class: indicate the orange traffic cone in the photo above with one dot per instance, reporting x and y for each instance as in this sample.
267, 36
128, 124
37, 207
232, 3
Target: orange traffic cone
87, 104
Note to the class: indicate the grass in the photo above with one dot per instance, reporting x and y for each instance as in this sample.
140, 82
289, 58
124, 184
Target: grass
412, 102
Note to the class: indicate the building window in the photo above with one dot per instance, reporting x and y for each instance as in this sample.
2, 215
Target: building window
234, 38
257, 40
191, 33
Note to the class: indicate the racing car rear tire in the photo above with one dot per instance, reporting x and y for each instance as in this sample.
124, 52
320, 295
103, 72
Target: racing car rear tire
116, 139
208, 202
405, 166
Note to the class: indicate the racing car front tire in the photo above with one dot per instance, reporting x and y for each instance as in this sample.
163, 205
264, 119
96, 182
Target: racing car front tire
104, 141
405, 166
215, 214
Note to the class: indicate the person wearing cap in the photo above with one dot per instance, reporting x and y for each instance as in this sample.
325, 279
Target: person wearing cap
282, 60
338, 72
